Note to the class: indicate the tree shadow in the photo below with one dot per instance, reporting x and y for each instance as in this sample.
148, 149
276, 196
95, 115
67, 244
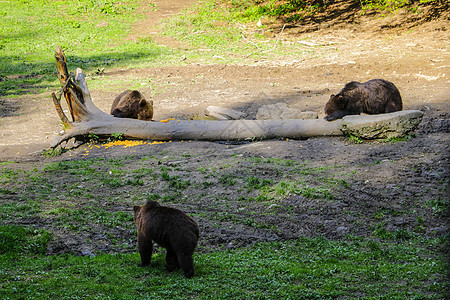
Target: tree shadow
36, 76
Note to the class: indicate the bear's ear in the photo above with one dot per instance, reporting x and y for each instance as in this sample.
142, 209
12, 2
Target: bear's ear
339, 99
341, 102
152, 203
135, 95
142, 103
136, 208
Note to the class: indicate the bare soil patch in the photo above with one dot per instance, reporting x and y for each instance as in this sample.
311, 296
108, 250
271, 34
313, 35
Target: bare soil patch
404, 177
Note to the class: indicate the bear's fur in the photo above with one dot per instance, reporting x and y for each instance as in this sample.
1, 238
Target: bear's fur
170, 228
375, 96
132, 104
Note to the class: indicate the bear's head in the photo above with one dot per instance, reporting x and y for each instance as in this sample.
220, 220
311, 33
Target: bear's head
139, 210
336, 103
132, 104
145, 111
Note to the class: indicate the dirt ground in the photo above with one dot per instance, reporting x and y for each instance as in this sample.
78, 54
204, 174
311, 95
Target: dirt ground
415, 58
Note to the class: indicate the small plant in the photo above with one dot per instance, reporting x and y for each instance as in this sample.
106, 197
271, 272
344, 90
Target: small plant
152, 197
175, 181
398, 139
439, 205
113, 181
354, 139
227, 180
136, 181
255, 183
317, 193
403, 235
6, 191
286, 188
54, 152
117, 136
165, 176
207, 184
92, 138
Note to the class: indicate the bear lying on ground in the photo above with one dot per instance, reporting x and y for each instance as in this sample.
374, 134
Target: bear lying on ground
132, 104
375, 96
170, 228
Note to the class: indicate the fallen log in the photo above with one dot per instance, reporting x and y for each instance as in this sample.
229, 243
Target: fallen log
88, 119
200, 129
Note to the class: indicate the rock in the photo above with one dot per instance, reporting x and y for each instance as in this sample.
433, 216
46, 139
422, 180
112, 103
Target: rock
390, 125
271, 206
223, 113
280, 111
342, 230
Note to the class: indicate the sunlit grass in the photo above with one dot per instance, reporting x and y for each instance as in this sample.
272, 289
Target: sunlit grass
95, 37
302, 269
94, 196
92, 34
216, 34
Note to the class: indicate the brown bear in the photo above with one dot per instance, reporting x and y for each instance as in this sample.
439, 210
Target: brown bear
170, 228
375, 96
132, 104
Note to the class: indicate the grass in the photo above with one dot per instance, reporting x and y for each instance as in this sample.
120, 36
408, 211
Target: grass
385, 5
292, 10
71, 197
308, 268
87, 197
18, 239
93, 35
214, 33
295, 10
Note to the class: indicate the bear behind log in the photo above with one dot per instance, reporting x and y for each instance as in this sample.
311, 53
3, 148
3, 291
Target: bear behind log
375, 96
170, 228
132, 104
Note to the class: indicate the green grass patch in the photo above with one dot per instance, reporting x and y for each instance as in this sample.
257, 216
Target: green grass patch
8, 175
95, 36
385, 5
215, 32
175, 181
254, 182
92, 33
81, 219
440, 205
286, 188
255, 194
75, 167
20, 240
291, 10
302, 269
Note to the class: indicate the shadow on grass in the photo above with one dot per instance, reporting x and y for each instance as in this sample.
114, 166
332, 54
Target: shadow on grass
18, 77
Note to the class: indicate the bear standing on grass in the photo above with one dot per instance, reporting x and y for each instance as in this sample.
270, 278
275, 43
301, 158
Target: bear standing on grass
375, 96
170, 228
132, 104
